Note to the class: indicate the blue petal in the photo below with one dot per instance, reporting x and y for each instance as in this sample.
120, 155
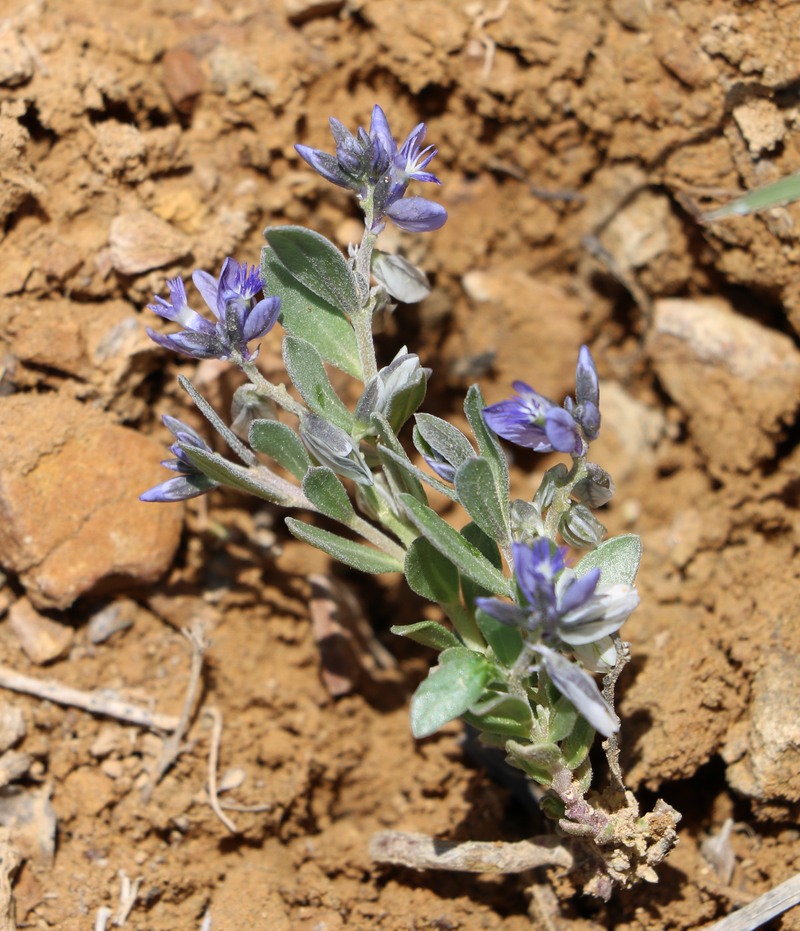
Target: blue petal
179, 488
579, 591
578, 687
208, 286
513, 421
503, 611
417, 215
562, 431
587, 388
379, 132
326, 165
443, 469
196, 345
262, 318
590, 419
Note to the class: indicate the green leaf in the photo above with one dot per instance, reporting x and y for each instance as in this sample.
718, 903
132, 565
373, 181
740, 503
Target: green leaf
476, 487
563, 718
505, 641
282, 443
781, 192
317, 264
324, 490
235, 476
429, 634
217, 422
356, 555
486, 546
430, 574
539, 761
442, 437
400, 471
488, 445
618, 560
305, 368
505, 715
452, 545
575, 748
448, 691
308, 316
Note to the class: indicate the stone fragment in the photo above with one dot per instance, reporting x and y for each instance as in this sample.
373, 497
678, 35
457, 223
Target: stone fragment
761, 124
112, 619
141, 241
32, 819
69, 484
738, 382
16, 61
183, 78
108, 741
119, 150
770, 770
13, 766
12, 726
42, 640
300, 11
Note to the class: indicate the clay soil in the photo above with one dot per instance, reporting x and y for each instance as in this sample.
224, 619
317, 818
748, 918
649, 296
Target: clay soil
579, 141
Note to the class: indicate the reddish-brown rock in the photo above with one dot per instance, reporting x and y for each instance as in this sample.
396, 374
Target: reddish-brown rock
71, 519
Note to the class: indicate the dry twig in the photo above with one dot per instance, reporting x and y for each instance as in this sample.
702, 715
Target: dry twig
421, 852
173, 744
759, 912
213, 761
95, 702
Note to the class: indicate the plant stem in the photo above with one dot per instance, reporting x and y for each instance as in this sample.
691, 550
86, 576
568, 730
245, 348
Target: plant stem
276, 393
561, 499
378, 538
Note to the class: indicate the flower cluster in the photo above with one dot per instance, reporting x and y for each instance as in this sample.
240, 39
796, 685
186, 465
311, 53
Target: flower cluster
562, 611
190, 481
231, 298
532, 420
379, 171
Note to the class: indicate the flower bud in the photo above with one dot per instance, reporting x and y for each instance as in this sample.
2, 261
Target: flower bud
596, 489
580, 528
333, 447
396, 391
248, 405
526, 522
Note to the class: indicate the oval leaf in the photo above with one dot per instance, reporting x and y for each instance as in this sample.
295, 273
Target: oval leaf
308, 316
308, 375
618, 560
453, 546
363, 558
429, 634
324, 490
281, 443
448, 691
430, 574
317, 264
476, 486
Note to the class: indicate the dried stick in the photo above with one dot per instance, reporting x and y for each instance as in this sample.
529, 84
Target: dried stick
213, 761
94, 702
9, 864
173, 744
421, 852
767, 906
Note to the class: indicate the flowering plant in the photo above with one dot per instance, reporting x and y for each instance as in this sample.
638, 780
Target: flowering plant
530, 627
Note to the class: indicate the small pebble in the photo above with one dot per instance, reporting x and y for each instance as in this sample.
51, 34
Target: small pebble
12, 726
111, 619
41, 639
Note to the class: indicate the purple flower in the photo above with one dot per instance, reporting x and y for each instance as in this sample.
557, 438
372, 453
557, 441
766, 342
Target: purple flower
578, 687
532, 420
559, 606
379, 171
190, 481
231, 298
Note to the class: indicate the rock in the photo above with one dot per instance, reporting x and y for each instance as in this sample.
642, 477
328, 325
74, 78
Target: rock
630, 432
300, 11
183, 78
42, 640
761, 124
119, 150
69, 484
737, 381
112, 619
16, 61
13, 766
32, 820
141, 241
12, 726
770, 769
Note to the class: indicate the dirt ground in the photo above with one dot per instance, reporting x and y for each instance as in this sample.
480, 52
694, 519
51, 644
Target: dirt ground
579, 141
